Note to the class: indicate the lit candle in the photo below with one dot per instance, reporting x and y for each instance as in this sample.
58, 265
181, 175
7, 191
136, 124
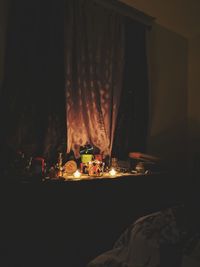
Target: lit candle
77, 174
112, 172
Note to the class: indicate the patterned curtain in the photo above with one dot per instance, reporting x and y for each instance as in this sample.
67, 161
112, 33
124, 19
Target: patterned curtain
94, 47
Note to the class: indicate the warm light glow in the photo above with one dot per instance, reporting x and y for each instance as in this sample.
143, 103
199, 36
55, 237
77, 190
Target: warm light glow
112, 172
77, 174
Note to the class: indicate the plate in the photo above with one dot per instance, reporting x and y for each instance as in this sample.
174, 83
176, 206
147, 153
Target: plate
70, 166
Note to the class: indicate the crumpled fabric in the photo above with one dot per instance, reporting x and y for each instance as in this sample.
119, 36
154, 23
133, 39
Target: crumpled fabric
140, 244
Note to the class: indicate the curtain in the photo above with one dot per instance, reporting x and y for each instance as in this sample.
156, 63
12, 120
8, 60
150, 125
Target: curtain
94, 48
132, 121
96, 92
32, 97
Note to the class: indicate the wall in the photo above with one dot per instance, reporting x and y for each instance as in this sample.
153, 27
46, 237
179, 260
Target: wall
194, 102
181, 16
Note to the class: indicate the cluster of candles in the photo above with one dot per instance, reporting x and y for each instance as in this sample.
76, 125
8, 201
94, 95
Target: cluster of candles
77, 173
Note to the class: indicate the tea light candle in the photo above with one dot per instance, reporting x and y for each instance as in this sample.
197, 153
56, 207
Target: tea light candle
112, 172
77, 174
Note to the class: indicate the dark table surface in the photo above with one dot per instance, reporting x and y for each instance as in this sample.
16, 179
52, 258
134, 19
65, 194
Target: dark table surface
72, 222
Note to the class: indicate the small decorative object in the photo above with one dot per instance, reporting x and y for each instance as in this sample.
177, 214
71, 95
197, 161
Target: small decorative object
85, 158
70, 167
114, 162
84, 167
77, 174
60, 159
86, 153
140, 167
112, 172
59, 166
29, 165
98, 157
107, 160
96, 168
52, 173
37, 166
123, 166
86, 149
141, 162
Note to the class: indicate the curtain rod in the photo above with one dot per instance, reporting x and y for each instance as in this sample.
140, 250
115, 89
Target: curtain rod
127, 11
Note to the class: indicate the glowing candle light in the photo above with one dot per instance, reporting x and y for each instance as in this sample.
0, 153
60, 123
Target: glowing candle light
77, 174
112, 172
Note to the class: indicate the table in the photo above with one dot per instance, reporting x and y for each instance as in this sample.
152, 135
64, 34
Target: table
84, 218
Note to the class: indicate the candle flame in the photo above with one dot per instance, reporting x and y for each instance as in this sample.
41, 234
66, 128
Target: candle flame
77, 174
112, 172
